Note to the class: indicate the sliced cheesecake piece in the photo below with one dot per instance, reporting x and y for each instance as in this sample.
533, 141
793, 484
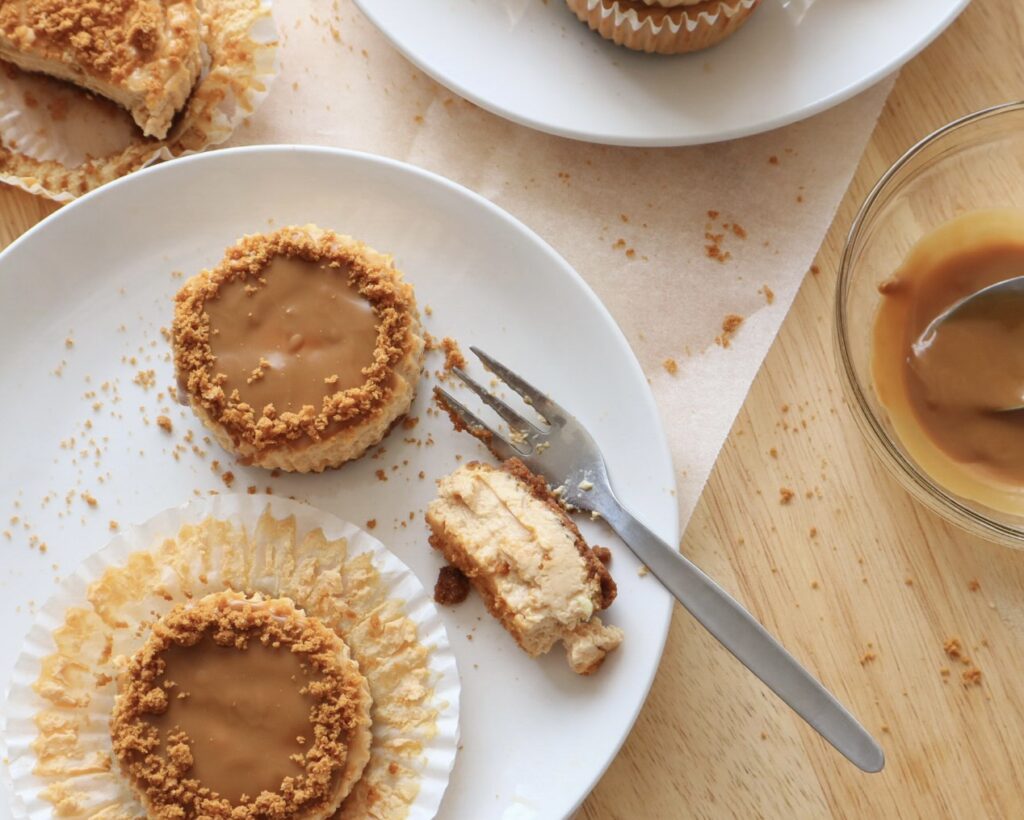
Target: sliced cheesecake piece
143, 55
506, 531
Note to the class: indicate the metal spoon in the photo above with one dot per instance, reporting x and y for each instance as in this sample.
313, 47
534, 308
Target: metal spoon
977, 302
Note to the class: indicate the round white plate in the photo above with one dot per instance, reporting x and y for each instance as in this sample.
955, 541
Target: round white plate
97, 276
537, 65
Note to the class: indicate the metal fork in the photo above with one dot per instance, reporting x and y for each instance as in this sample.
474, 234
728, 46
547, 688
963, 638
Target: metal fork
566, 451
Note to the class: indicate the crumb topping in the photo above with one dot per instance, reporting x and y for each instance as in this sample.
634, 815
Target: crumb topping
370, 274
162, 775
109, 38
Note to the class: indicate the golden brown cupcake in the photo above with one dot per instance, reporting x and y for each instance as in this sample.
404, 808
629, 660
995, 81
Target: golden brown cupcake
300, 350
143, 55
664, 26
242, 708
504, 529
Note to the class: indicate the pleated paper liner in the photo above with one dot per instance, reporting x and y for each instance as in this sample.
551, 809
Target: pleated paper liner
61, 142
660, 29
64, 682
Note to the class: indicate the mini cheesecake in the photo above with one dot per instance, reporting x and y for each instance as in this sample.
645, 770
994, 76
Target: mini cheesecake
300, 350
143, 55
241, 708
503, 528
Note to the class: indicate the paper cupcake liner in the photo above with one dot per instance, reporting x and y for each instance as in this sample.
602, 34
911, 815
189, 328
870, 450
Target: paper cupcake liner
663, 30
63, 685
61, 142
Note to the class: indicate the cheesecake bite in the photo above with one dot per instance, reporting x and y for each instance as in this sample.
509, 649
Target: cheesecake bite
300, 349
503, 528
242, 708
143, 55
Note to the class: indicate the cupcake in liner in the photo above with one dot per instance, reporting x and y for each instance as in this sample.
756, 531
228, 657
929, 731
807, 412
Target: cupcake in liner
664, 26
59, 141
64, 684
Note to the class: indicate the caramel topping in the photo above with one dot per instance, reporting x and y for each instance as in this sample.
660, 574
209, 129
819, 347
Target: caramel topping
944, 395
302, 336
243, 712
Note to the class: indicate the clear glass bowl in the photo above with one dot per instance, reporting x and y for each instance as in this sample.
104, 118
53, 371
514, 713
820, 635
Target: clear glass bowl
973, 163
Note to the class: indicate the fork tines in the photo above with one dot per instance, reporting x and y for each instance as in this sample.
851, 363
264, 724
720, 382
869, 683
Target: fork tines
464, 419
524, 434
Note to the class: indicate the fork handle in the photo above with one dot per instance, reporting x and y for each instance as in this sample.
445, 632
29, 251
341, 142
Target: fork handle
738, 631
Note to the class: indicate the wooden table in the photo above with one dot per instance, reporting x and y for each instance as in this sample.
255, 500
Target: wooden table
869, 600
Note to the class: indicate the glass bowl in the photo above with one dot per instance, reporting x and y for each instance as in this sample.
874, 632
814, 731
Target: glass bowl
973, 163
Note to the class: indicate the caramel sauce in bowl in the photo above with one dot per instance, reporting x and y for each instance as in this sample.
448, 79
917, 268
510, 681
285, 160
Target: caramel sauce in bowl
945, 221
947, 391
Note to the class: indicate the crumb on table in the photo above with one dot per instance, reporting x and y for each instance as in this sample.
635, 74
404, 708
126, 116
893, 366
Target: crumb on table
730, 324
952, 647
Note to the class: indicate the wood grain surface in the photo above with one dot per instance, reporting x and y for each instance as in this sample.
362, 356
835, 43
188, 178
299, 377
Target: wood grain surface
860, 583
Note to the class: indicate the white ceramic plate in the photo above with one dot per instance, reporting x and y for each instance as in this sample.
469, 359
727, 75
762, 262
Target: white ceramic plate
98, 273
536, 64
